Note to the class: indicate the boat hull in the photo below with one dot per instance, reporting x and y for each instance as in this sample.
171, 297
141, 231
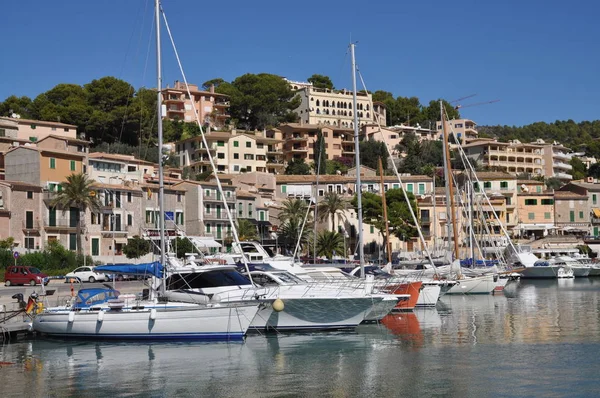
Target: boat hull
411, 288
547, 272
484, 284
207, 323
429, 295
315, 314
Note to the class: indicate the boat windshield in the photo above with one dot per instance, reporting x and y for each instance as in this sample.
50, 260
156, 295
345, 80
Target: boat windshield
89, 297
199, 280
289, 278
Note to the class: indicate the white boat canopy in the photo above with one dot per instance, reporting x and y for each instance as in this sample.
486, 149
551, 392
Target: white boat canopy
204, 241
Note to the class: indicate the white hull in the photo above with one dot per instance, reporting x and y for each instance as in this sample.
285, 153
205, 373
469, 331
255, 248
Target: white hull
429, 295
198, 323
314, 314
381, 309
485, 284
540, 272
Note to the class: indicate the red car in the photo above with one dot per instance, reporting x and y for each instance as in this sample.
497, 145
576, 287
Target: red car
23, 275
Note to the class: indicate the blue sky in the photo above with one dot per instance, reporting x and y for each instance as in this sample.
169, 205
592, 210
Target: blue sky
539, 58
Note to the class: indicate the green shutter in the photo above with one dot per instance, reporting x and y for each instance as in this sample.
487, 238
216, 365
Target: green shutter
283, 188
52, 163
29, 219
72, 165
73, 217
95, 247
72, 241
572, 215
52, 217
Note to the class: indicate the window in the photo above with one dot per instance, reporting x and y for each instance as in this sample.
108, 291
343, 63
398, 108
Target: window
149, 216
72, 165
236, 144
531, 216
95, 247
220, 143
118, 199
72, 241
236, 155
530, 202
594, 199
52, 163
547, 201
580, 215
128, 197
220, 155
503, 184
487, 185
129, 219
29, 194
409, 187
546, 216
208, 228
261, 215
33, 126
179, 218
250, 210
179, 196
207, 208
248, 156
572, 215
248, 144
421, 189
29, 219
240, 209
372, 229
283, 188
29, 243
475, 187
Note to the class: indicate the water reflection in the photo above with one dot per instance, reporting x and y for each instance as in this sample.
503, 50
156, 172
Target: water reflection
488, 342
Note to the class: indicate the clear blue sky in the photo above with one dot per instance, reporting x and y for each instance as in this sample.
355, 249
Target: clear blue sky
540, 58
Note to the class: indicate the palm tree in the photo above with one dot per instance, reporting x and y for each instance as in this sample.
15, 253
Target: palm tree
330, 205
292, 209
77, 193
246, 230
329, 243
289, 233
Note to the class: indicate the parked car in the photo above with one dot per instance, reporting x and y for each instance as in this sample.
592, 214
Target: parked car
24, 275
86, 274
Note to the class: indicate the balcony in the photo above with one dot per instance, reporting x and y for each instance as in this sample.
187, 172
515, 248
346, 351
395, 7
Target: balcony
213, 196
213, 215
48, 197
223, 116
222, 104
348, 152
563, 176
297, 138
121, 230
299, 149
562, 165
173, 99
274, 151
32, 228
60, 224
425, 220
176, 110
202, 149
562, 156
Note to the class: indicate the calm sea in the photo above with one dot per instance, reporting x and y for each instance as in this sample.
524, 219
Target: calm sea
540, 338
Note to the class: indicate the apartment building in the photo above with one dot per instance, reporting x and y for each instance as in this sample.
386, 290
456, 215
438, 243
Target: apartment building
42, 166
535, 214
205, 211
513, 157
192, 153
335, 107
299, 141
34, 130
21, 213
108, 168
591, 190
572, 212
254, 152
463, 129
557, 160
394, 135
212, 108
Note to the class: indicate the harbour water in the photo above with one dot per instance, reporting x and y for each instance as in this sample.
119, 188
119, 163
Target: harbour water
540, 338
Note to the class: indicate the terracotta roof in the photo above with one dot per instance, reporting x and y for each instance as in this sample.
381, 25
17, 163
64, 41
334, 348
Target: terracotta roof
324, 179
48, 150
120, 187
21, 184
119, 157
240, 194
202, 183
260, 139
299, 126
213, 135
68, 139
569, 195
495, 175
39, 122
530, 182
154, 187
587, 185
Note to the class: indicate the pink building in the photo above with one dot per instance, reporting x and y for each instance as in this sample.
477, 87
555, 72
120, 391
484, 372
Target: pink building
213, 108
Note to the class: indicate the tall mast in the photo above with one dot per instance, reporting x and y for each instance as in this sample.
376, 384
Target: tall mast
361, 250
470, 210
385, 219
433, 220
161, 182
449, 184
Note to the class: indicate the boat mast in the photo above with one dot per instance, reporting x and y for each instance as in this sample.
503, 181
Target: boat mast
361, 250
385, 219
449, 186
470, 210
433, 199
161, 182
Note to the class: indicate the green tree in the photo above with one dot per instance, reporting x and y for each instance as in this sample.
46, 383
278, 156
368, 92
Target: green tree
297, 167
137, 247
7, 244
320, 153
19, 105
431, 113
289, 234
371, 151
77, 194
292, 209
183, 246
65, 103
330, 243
260, 101
336, 165
594, 170
213, 82
579, 168
321, 81
246, 230
331, 205
553, 183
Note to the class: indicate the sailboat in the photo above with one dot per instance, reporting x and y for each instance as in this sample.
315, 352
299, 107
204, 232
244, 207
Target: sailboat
105, 313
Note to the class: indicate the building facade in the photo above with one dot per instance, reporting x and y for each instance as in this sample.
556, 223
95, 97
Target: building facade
212, 108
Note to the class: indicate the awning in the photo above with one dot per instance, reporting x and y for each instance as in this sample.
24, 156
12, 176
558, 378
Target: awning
204, 241
596, 213
122, 241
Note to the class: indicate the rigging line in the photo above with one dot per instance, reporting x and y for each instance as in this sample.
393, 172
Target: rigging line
387, 147
472, 169
321, 148
210, 157
302, 230
130, 40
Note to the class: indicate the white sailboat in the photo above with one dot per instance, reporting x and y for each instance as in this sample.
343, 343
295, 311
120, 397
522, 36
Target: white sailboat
104, 313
